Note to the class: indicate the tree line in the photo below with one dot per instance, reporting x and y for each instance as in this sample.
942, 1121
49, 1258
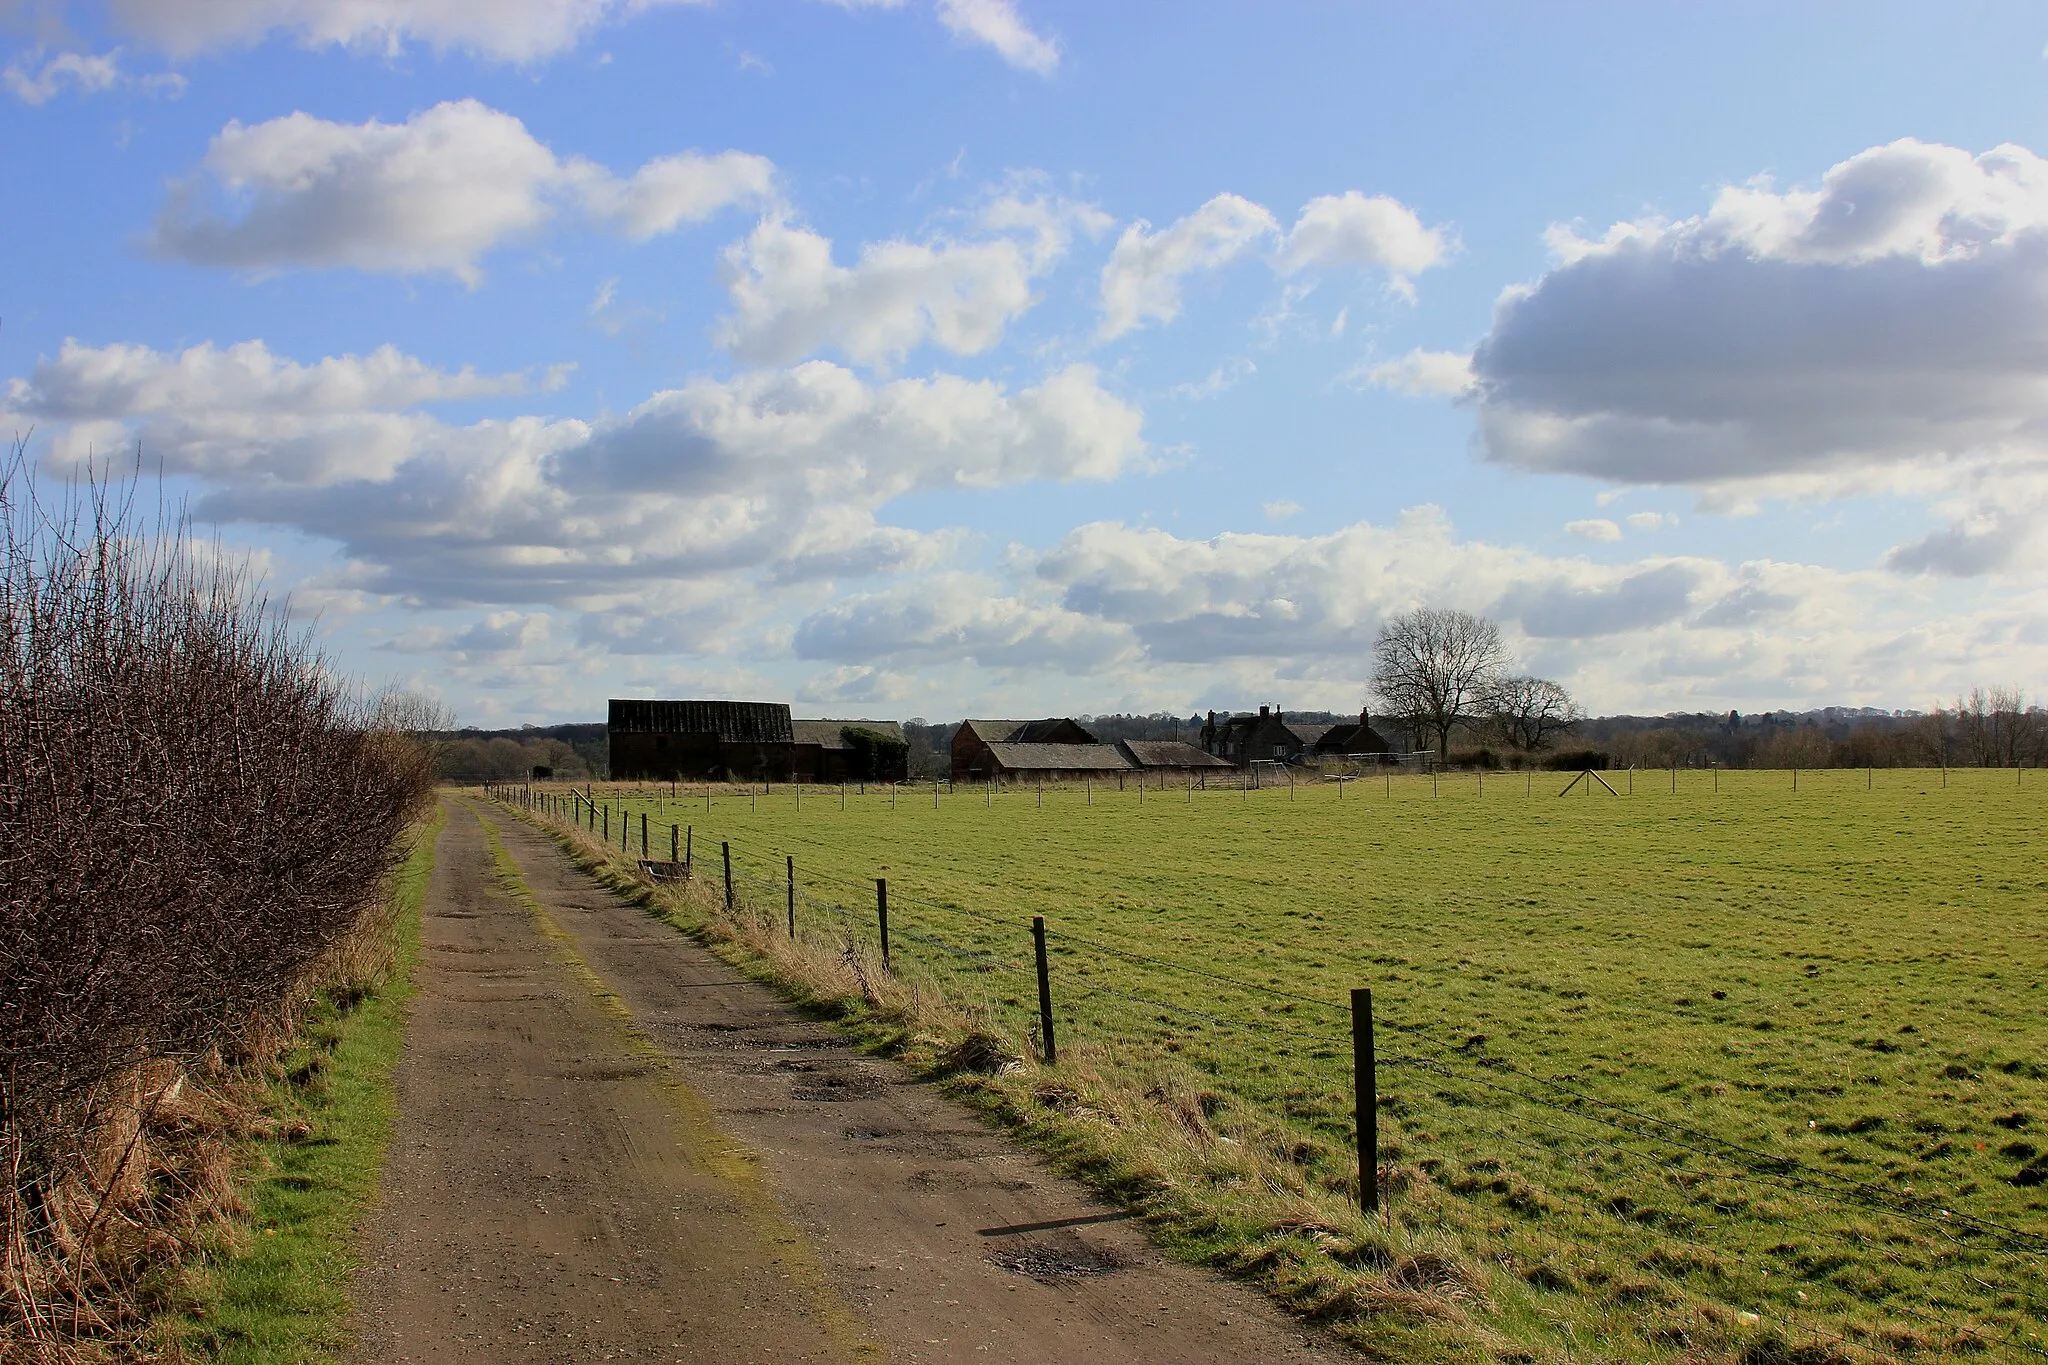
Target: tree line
1440, 675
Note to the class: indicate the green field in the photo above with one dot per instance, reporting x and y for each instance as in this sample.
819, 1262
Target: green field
1818, 1015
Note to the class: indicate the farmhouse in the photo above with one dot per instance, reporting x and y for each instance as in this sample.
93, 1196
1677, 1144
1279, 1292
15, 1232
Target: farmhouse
1345, 738
1270, 737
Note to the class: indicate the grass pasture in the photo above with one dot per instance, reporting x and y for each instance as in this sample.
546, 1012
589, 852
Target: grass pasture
1746, 1058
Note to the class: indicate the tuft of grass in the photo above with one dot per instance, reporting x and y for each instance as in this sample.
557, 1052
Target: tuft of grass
275, 1288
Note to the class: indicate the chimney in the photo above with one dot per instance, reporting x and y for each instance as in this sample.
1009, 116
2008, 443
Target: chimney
1264, 711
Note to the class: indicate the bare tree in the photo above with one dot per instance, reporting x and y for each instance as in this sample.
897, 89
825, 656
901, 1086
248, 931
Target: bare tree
1525, 711
1996, 726
1435, 668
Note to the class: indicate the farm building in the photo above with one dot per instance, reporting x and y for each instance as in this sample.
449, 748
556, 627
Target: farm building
1168, 757
667, 741
1270, 737
1345, 738
1062, 750
850, 751
748, 741
975, 758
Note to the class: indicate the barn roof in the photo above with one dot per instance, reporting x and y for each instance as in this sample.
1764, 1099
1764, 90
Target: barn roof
1043, 731
1062, 757
1309, 735
829, 734
992, 731
734, 722
1168, 753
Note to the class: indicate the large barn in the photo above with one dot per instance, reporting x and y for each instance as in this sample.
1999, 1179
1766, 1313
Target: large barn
670, 741
748, 741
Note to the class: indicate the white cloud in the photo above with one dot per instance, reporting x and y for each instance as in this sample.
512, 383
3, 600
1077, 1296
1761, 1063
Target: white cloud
1420, 373
774, 476
670, 191
1280, 510
430, 195
36, 78
1238, 616
1888, 318
1651, 521
960, 618
241, 409
1142, 281
791, 300
1222, 379
1593, 528
1354, 229
505, 30
996, 24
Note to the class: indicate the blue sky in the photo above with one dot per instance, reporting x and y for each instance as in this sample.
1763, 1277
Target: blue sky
989, 356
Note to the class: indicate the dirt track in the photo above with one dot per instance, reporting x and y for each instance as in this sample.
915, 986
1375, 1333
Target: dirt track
612, 1147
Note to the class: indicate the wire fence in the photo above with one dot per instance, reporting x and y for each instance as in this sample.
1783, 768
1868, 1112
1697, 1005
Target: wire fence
1714, 1224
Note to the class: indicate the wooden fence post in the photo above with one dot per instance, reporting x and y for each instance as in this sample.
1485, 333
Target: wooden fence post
726, 849
1049, 1048
1366, 1087
882, 915
643, 834
792, 894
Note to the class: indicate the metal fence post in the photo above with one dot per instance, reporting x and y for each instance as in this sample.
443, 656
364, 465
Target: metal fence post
1049, 1047
1365, 1082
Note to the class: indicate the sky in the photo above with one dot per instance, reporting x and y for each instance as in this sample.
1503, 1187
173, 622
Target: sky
931, 358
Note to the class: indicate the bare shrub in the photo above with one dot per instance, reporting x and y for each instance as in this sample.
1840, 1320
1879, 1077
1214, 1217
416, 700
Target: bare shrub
196, 814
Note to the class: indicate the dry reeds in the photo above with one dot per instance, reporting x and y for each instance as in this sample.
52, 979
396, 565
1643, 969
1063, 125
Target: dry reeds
196, 813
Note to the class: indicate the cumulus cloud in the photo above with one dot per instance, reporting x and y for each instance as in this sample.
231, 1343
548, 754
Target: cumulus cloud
775, 476
504, 30
996, 24
1142, 281
1444, 374
430, 195
790, 299
1593, 528
1891, 314
38, 77
1176, 618
1354, 229
221, 411
960, 618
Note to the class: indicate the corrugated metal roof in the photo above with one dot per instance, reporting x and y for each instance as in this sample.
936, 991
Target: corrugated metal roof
828, 734
1169, 753
1025, 757
734, 722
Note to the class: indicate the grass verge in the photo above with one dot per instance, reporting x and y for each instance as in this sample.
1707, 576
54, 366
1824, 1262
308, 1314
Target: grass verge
274, 1288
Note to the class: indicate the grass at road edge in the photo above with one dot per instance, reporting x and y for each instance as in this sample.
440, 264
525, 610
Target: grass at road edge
278, 1291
